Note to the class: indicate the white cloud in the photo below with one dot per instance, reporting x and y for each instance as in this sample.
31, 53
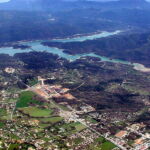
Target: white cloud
2, 1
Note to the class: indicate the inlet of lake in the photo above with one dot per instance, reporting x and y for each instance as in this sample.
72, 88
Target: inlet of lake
37, 46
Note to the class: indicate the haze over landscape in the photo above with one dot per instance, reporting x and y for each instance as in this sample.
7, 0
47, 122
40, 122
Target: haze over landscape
74, 75
2, 1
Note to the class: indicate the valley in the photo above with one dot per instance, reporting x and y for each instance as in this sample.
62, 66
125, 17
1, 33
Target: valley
51, 99
74, 75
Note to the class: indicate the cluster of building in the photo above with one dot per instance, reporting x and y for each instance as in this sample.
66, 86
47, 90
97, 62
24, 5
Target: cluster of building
9, 70
142, 142
55, 91
88, 137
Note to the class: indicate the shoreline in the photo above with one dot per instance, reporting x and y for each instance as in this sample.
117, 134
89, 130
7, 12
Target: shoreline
88, 35
141, 67
136, 66
9, 44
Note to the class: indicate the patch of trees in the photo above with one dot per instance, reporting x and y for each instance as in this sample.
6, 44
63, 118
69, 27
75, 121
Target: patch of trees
29, 20
130, 47
33, 25
7, 61
20, 46
38, 60
145, 117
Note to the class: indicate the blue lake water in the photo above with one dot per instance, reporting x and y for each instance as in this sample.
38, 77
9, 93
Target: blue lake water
87, 37
37, 46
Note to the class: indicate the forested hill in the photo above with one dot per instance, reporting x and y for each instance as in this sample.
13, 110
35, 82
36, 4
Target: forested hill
129, 47
44, 19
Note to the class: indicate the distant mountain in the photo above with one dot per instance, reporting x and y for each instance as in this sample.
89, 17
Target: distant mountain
43, 19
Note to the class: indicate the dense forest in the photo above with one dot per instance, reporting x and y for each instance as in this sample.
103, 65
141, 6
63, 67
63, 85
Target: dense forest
22, 25
130, 47
29, 19
39, 60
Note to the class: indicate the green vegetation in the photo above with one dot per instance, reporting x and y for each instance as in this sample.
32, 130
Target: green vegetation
55, 105
79, 140
13, 136
101, 144
79, 126
32, 82
13, 90
13, 146
2, 112
26, 98
107, 146
2, 124
36, 112
133, 88
4, 115
51, 120
88, 118
44, 125
74, 127
16, 146
63, 107
100, 139
130, 142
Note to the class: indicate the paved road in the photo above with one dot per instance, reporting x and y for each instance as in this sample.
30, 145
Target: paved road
11, 116
78, 120
121, 147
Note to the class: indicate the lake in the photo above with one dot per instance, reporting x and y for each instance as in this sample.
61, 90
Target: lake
37, 46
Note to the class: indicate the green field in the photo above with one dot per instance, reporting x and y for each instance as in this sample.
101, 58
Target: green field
13, 146
36, 112
78, 141
90, 119
4, 115
55, 105
44, 125
16, 146
32, 82
26, 98
2, 125
74, 126
2, 112
79, 126
51, 120
101, 144
100, 139
107, 146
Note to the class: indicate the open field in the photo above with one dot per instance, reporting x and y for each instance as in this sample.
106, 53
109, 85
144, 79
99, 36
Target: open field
79, 127
36, 112
32, 82
2, 125
101, 144
76, 126
78, 141
26, 98
4, 115
51, 120
2, 112
107, 146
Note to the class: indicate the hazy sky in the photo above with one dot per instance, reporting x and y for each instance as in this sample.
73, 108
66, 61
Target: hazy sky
1, 1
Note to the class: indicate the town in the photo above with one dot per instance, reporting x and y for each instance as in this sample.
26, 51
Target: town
43, 112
